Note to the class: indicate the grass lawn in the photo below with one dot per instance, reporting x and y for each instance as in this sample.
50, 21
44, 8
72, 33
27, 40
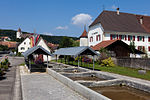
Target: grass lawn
116, 69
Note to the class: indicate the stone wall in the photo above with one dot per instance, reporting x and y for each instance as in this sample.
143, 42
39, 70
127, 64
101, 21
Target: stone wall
143, 63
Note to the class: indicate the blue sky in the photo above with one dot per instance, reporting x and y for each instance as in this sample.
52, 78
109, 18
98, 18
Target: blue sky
61, 17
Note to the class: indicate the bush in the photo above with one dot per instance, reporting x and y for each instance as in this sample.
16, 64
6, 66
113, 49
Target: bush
107, 62
86, 59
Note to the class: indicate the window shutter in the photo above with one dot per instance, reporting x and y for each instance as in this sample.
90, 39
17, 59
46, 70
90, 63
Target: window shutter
143, 38
125, 37
128, 37
143, 48
117, 36
149, 48
99, 37
148, 39
120, 37
133, 38
96, 37
137, 38
138, 47
110, 36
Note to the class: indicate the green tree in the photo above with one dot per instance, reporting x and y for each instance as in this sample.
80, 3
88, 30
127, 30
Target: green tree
75, 43
66, 42
132, 47
3, 48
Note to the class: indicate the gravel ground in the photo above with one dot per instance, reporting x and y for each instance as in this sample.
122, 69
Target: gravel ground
45, 87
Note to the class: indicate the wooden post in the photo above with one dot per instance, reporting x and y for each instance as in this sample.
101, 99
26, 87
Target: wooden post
93, 62
81, 60
78, 61
47, 61
30, 65
56, 58
65, 59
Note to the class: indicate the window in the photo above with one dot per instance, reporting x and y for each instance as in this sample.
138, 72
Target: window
91, 39
140, 38
22, 48
122, 37
113, 36
24, 42
131, 38
141, 48
98, 38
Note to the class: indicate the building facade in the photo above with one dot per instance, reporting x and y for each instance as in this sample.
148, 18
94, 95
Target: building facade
84, 38
25, 45
18, 34
111, 25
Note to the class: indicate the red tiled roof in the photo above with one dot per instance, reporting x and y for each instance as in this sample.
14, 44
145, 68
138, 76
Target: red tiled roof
9, 44
124, 22
84, 34
103, 44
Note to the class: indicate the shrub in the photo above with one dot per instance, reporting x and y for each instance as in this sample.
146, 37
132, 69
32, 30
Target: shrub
86, 59
107, 62
104, 54
76, 59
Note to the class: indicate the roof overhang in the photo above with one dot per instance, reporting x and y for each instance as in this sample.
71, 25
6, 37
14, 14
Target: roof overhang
76, 51
36, 50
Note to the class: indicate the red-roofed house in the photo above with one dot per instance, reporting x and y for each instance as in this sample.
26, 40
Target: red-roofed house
11, 45
110, 25
117, 48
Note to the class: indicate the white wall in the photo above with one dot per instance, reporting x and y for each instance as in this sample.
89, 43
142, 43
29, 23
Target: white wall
25, 44
94, 31
43, 44
83, 41
18, 35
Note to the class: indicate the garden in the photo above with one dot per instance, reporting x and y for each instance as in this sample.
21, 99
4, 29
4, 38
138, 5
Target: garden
105, 64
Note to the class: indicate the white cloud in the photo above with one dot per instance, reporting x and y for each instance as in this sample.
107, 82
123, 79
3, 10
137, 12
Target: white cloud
47, 33
114, 7
62, 27
82, 19
145, 14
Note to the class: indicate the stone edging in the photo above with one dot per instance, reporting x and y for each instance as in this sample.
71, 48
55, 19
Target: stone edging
84, 91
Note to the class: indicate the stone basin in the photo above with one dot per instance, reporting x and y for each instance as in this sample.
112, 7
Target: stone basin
122, 93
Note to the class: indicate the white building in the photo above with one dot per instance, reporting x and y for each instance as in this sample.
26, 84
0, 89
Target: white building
110, 25
18, 34
84, 38
26, 44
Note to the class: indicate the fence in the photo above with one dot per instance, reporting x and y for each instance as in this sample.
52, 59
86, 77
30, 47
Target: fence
143, 63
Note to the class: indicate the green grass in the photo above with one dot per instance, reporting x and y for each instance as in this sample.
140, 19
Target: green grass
132, 72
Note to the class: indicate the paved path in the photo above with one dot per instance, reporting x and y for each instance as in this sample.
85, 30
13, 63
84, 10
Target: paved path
7, 82
45, 87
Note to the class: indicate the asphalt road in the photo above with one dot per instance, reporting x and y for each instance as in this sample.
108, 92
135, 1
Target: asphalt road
7, 82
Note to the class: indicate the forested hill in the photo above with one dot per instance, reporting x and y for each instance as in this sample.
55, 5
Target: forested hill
52, 39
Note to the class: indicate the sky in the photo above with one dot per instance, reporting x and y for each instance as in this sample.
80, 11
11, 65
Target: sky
61, 17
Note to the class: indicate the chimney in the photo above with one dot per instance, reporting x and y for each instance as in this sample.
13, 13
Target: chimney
118, 11
141, 19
